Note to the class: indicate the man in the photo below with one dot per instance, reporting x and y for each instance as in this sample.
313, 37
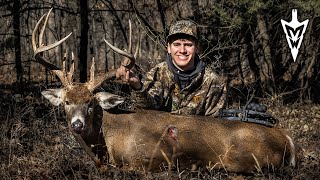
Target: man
182, 84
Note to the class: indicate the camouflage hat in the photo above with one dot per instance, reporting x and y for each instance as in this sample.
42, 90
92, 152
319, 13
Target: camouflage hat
183, 27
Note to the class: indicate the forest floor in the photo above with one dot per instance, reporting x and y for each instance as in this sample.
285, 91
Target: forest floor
36, 144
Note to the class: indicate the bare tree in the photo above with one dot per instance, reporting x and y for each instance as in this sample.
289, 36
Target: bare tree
84, 26
17, 40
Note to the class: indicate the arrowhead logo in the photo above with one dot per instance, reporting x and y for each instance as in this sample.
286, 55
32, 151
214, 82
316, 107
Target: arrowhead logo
294, 31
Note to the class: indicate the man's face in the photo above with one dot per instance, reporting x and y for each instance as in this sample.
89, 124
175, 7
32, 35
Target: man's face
182, 52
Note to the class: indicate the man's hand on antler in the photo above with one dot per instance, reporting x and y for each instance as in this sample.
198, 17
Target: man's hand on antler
128, 76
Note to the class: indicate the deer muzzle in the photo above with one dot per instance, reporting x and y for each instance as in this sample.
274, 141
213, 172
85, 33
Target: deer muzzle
77, 126
78, 123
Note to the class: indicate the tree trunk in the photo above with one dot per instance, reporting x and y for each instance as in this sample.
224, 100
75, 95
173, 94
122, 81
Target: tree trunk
247, 73
196, 10
118, 21
83, 55
162, 15
266, 69
16, 32
309, 48
312, 65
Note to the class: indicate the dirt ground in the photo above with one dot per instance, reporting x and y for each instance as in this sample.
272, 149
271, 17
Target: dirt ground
36, 144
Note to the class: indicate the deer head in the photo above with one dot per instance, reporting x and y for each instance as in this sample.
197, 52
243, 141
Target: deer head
81, 104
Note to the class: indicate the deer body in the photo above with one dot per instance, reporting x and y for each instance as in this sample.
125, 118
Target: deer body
132, 137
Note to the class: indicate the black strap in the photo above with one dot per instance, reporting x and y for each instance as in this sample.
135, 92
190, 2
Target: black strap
248, 116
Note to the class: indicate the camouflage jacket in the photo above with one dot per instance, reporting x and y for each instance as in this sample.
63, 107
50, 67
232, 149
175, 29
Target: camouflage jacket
205, 95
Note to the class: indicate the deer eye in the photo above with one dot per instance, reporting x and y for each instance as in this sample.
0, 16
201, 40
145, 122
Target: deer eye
67, 102
91, 103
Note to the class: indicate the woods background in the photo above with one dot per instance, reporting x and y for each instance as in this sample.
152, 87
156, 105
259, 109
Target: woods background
241, 39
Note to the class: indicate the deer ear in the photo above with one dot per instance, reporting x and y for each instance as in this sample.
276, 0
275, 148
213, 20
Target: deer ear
108, 100
55, 96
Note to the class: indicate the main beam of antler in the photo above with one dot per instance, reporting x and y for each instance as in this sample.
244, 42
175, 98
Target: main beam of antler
123, 53
129, 61
39, 48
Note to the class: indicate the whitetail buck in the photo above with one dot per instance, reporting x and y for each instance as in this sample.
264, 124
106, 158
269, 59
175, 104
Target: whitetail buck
145, 139
83, 113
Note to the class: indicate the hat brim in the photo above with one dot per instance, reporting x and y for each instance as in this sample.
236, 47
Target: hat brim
180, 36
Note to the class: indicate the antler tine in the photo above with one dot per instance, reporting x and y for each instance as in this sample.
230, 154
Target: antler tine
96, 82
71, 71
92, 70
130, 37
64, 62
34, 44
137, 47
91, 83
46, 48
43, 28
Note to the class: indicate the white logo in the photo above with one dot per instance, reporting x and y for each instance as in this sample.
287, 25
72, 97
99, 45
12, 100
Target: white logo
294, 33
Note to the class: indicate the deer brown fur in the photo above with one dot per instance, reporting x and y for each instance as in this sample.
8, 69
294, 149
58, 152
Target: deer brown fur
83, 114
231, 145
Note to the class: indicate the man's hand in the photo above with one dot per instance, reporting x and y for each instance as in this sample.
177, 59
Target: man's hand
128, 76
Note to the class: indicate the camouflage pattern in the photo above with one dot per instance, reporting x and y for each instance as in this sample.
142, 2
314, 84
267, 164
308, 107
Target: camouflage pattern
205, 95
183, 27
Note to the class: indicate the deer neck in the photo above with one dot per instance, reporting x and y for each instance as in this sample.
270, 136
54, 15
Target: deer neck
93, 132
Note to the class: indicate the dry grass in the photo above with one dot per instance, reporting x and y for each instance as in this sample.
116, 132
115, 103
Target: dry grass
35, 144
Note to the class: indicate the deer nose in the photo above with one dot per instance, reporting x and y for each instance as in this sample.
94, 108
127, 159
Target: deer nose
77, 126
